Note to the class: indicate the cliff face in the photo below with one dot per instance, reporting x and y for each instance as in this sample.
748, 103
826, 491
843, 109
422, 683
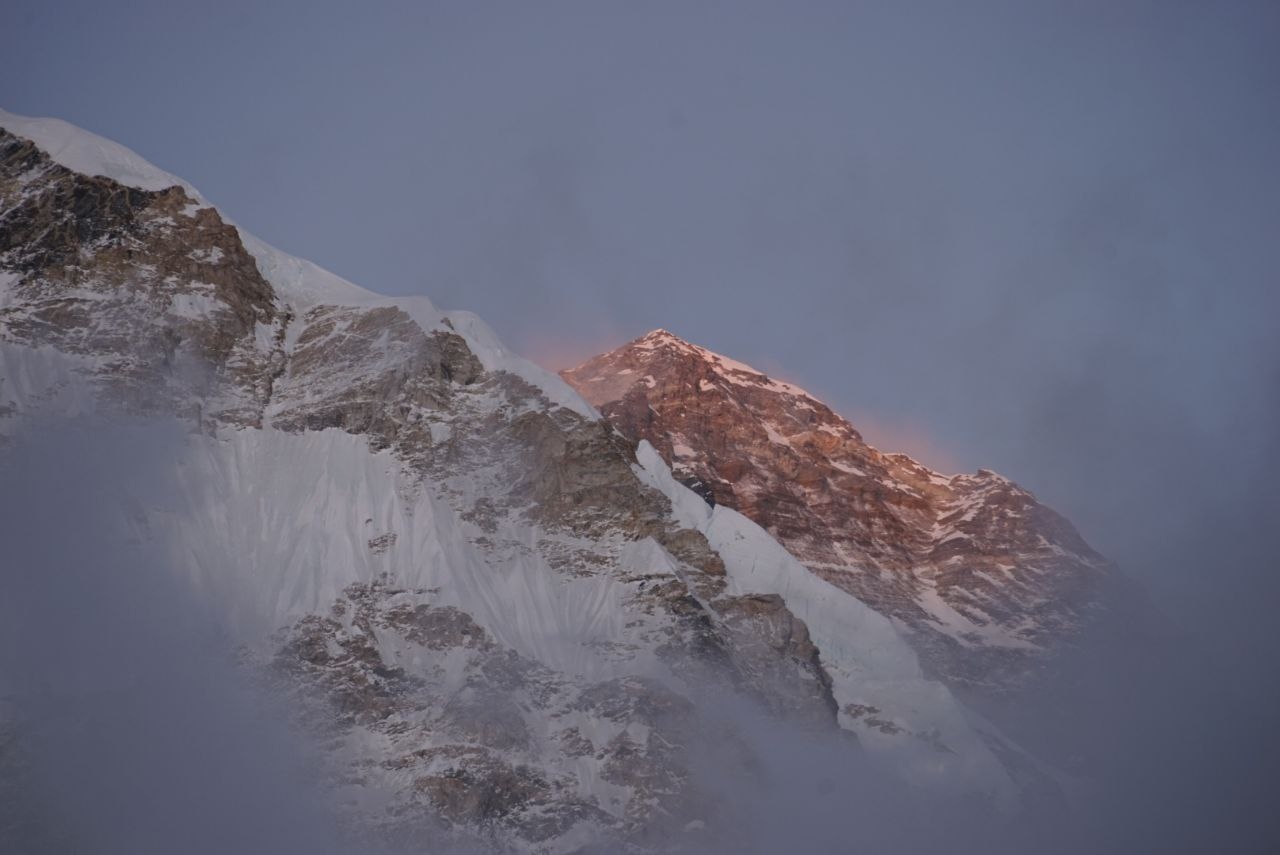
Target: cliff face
495, 609
985, 579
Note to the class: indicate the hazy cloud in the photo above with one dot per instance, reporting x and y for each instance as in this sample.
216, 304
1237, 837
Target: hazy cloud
1043, 234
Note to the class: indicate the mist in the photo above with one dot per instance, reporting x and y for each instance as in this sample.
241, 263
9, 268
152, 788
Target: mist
1037, 238
129, 727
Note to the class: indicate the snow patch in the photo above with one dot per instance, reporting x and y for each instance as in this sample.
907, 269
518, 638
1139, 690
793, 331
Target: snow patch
869, 662
775, 436
298, 282
207, 256
194, 306
90, 154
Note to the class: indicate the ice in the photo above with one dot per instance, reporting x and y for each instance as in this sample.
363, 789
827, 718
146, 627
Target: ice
90, 154
868, 660
297, 282
273, 526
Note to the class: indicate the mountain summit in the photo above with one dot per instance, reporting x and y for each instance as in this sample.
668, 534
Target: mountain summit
984, 579
500, 616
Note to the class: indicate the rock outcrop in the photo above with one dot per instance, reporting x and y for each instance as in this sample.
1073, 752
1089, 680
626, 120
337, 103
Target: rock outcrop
476, 592
987, 580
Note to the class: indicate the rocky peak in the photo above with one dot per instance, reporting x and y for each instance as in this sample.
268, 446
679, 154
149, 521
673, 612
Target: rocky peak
985, 578
493, 607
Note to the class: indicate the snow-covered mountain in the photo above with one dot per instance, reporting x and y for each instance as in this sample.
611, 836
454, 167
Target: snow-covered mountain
495, 606
985, 581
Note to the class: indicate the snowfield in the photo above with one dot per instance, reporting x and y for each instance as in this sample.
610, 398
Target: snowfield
275, 526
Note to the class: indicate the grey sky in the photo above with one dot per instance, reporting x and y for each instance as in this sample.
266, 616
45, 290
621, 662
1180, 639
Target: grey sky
1042, 238
1036, 237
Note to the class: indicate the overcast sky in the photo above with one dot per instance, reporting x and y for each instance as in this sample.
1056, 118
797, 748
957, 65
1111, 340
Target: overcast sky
1040, 238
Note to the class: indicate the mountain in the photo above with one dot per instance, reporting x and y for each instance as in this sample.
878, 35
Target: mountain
502, 615
985, 581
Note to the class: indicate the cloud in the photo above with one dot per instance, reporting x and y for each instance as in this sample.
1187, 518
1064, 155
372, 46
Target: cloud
556, 353
914, 440
130, 728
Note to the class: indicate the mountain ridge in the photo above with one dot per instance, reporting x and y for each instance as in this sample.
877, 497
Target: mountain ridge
493, 602
985, 578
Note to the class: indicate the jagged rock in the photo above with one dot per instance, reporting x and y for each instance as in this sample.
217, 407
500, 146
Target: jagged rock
469, 586
773, 648
154, 291
988, 581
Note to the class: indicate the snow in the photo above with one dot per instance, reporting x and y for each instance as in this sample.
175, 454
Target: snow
297, 282
729, 369
775, 436
272, 526
495, 357
845, 467
680, 448
194, 306
964, 630
90, 154
868, 660
32, 378
207, 256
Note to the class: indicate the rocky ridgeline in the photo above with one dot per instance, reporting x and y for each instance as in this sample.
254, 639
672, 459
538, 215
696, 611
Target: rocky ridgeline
987, 581
145, 302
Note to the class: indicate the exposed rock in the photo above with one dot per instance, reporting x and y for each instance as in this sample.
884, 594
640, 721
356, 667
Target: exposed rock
987, 580
155, 292
438, 706
382, 542
773, 648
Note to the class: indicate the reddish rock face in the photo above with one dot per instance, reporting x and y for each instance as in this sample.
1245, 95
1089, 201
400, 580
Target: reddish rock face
986, 580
